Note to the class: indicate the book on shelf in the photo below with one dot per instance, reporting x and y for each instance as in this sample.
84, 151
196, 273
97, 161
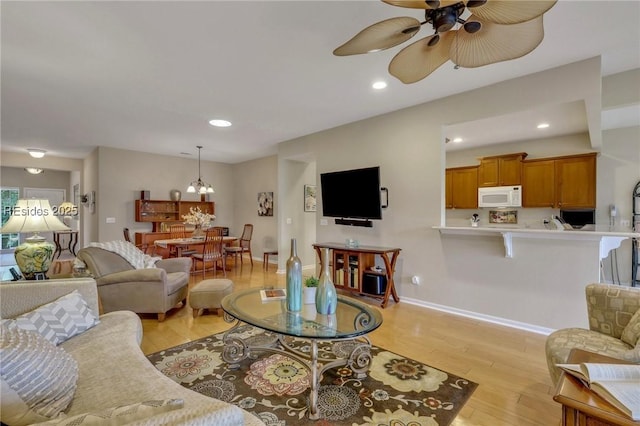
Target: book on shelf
269, 294
618, 384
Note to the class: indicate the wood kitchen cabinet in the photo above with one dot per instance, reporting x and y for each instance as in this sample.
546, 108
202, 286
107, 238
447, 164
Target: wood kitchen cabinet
461, 187
538, 183
576, 181
560, 182
500, 170
158, 211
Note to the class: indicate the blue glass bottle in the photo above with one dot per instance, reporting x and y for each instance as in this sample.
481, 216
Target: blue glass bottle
294, 280
326, 296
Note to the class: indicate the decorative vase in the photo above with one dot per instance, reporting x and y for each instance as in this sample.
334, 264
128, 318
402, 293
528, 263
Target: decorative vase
310, 295
197, 232
326, 296
175, 195
294, 279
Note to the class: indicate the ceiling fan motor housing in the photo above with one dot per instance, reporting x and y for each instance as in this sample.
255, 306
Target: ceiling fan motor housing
444, 19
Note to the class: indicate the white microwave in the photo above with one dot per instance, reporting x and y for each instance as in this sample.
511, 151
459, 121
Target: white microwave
500, 196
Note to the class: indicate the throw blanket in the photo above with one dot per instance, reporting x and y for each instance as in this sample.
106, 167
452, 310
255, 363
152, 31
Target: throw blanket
132, 254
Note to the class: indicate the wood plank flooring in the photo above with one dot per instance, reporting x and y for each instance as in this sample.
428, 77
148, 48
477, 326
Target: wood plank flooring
508, 364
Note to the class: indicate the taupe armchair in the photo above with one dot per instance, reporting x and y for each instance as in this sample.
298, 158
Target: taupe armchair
122, 287
614, 327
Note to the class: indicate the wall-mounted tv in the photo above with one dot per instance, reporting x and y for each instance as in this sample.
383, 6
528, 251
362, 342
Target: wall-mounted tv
352, 193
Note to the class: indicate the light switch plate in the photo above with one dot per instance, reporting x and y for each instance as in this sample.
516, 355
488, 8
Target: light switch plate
111, 220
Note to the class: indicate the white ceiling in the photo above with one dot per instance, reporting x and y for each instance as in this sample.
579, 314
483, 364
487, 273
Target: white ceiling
148, 76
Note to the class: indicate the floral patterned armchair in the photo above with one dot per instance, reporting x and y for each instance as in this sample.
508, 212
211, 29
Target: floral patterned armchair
614, 327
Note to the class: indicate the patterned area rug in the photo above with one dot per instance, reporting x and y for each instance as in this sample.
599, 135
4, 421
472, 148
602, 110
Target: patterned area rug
397, 391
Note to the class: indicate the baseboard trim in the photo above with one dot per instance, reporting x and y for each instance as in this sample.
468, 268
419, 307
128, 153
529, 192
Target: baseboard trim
481, 317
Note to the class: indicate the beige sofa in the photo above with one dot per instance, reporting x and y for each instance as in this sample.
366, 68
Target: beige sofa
122, 287
112, 370
614, 328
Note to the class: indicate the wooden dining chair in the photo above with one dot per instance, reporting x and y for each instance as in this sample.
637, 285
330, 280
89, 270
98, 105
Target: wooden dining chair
213, 252
178, 230
127, 238
244, 245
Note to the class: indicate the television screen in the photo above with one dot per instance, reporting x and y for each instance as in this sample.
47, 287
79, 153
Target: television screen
351, 193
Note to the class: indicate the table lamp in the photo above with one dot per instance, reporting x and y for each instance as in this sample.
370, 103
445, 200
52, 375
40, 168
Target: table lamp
35, 255
67, 209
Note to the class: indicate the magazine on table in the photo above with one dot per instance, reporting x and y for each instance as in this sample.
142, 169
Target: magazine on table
618, 384
269, 294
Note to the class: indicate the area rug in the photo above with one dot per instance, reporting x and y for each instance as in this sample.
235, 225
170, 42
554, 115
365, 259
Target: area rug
397, 391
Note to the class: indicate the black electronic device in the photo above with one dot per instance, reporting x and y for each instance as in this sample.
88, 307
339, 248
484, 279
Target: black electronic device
15, 274
352, 194
578, 218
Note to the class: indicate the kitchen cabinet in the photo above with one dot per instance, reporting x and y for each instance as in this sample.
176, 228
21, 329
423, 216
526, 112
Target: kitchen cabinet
538, 183
500, 170
560, 182
159, 211
576, 181
461, 187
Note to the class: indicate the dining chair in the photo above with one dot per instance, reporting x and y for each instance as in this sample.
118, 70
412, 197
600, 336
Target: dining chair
127, 238
244, 245
178, 230
213, 252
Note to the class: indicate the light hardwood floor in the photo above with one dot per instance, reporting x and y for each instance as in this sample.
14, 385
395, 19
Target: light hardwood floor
508, 364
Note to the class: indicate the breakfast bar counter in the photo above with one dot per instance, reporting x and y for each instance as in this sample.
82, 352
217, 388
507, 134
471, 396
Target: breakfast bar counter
608, 239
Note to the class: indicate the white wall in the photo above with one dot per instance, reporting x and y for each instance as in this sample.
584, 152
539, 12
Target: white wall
249, 178
123, 174
543, 284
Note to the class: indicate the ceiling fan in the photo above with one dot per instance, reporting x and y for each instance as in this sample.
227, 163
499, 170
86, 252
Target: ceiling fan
470, 33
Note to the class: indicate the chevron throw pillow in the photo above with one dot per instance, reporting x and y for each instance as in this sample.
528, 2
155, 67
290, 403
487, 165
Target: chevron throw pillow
59, 320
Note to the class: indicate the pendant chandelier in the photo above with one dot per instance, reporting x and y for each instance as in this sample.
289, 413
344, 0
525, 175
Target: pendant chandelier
199, 186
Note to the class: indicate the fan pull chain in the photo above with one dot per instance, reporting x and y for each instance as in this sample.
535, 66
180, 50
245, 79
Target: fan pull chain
456, 66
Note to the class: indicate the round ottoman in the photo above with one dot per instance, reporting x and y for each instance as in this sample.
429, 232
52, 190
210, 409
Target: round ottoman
208, 294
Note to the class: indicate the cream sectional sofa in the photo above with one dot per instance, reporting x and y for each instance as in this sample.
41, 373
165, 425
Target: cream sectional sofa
112, 370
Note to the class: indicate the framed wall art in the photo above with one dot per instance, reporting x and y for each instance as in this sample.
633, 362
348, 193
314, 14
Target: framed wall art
309, 198
265, 203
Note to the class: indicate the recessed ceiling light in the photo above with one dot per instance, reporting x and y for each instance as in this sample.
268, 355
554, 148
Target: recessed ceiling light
457, 140
543, 125
220, 123
36, 153
378, 85
34, 170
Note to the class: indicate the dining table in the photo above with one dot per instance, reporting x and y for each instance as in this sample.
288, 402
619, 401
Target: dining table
182, 243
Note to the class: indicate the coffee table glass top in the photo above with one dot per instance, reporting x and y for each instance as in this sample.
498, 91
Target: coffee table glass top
352, 317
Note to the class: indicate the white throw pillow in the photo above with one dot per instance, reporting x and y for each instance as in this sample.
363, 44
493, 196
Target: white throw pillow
38, 379
121, 415
59, 320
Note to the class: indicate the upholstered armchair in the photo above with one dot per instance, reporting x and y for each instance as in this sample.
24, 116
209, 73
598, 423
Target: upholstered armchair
614, 327
150, 290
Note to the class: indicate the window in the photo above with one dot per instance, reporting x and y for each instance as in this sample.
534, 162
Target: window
9, 199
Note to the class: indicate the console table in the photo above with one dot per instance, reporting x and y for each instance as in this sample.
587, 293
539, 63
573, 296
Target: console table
350, 265
61, 246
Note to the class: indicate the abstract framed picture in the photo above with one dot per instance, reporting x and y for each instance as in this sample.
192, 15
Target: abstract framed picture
309, 198
265, 203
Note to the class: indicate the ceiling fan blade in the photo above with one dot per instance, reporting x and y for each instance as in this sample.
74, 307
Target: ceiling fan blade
419, 59
511, 12
495, 43
421, 4
380, 36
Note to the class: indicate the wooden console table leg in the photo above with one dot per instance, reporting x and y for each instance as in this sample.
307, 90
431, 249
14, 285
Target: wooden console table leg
391, 286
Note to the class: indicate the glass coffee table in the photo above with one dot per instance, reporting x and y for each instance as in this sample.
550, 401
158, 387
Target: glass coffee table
352, 322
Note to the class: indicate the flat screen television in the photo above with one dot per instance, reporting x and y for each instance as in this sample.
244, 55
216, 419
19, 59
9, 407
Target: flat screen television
351, 193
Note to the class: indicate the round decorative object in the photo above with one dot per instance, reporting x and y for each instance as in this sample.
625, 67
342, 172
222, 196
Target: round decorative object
34, 258
198, 232
175, 195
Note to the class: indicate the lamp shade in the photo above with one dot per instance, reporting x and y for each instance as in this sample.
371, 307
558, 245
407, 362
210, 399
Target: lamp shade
32, 216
